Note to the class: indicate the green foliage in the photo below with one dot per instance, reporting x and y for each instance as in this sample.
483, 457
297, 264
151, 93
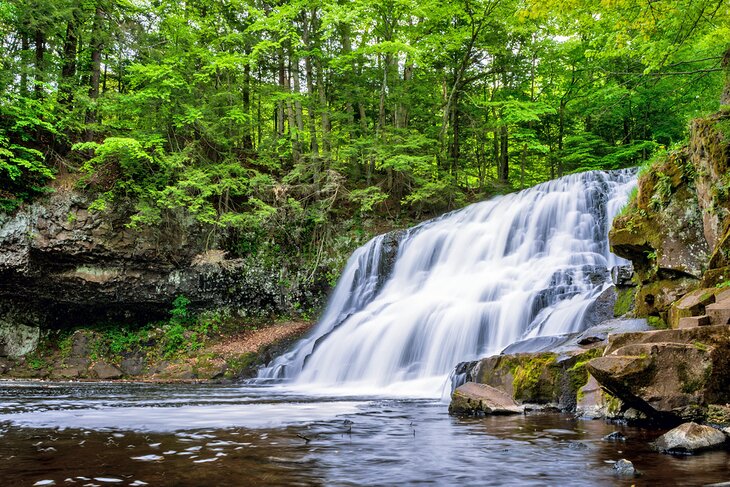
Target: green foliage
23, 168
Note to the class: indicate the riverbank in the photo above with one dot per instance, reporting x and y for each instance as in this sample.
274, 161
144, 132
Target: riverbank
222, 352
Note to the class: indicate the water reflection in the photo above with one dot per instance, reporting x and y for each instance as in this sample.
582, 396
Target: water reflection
81, 434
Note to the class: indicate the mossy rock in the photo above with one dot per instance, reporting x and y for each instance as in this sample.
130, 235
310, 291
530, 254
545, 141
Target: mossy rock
538, 378
625, 301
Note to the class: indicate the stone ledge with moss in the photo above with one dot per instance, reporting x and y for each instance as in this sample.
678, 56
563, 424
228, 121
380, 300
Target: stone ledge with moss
550, 378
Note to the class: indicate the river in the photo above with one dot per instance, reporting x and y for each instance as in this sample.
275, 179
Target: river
192, 435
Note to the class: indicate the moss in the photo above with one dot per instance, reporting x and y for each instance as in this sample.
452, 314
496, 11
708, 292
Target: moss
613, 404
657, 323
526, 381
624, 301
578, 374
718, 414
238, 365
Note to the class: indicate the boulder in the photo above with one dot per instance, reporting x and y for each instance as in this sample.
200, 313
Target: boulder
689, 438
105, 371
479, 399
668, 375
133, 365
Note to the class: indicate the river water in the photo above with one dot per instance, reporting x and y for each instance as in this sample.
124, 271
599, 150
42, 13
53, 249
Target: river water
195, 435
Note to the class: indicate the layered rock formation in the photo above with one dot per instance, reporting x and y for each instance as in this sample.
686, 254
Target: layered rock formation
63, 266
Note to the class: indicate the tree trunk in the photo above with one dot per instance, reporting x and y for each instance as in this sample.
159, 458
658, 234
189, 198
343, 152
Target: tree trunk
291, 119
504, 154
523, 159
96, 44
40, 52
68, 69
24, 48
561, 135
311, 103
247, 138
725, 98
280, 104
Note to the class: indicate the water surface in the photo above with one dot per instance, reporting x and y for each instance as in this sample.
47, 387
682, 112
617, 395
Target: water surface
188, 435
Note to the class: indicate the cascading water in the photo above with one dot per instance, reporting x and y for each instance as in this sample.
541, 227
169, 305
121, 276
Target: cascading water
462, 286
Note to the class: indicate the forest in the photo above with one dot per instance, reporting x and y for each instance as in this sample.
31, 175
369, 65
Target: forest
277, 119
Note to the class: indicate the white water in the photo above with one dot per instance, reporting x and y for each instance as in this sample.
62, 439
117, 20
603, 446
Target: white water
463, 286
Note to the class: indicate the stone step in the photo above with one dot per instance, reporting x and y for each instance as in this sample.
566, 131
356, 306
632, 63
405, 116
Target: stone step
719, 312
691, 304
694, 321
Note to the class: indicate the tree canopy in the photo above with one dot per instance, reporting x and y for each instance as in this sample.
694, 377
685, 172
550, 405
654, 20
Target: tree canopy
282, 116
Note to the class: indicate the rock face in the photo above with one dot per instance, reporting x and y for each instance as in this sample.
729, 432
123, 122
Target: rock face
553, 373
677, 230
689, 438
63, 265
668, 375
481, 399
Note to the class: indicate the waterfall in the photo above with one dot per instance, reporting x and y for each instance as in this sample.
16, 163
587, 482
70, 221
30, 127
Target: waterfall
463, 286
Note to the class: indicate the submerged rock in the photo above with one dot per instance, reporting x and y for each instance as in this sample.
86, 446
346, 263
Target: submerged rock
615, 436
689, 438
479, 399
624, 468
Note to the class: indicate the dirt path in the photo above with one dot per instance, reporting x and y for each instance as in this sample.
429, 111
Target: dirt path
253, 340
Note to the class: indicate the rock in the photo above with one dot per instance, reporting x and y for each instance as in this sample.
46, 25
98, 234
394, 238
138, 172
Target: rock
67, 372
477, 399
615, 436
658, 379
601, 309
689, 438
667, 375
133, 365
105, 371
81, 341
17, 339
719, 312
622, 275
594, 403
694, 321
691, 304
624, 468
60, 261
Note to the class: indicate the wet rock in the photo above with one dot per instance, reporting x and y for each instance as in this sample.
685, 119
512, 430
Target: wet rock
594, 403
690, 438
105, 371
615, 436
622, 275
624, 468
601, 309
480, 399
60, 262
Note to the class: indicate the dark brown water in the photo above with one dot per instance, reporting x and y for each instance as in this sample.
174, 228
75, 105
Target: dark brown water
127, 434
